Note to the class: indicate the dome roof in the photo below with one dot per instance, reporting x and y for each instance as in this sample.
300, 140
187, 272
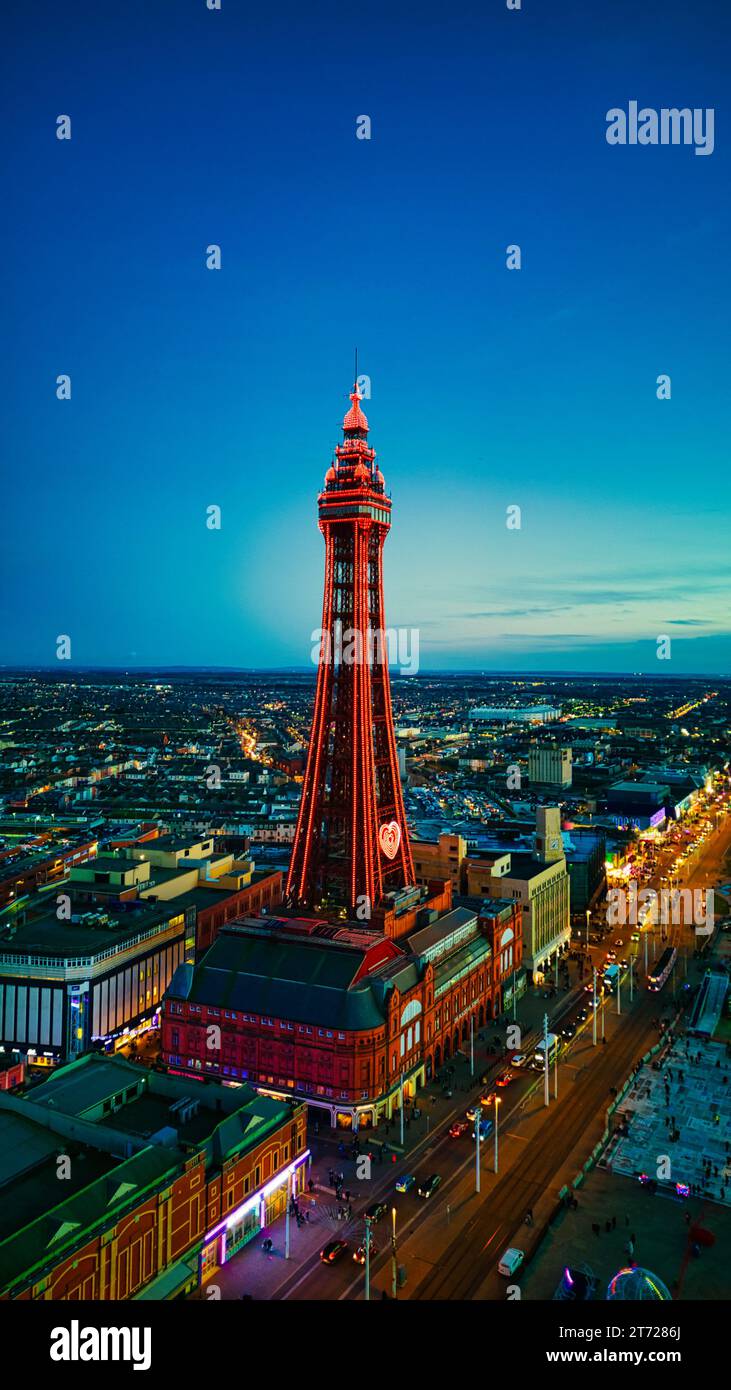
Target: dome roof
331, 474
355, 419
635, 1283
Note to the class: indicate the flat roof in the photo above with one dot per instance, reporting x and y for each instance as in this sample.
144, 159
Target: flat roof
46, 935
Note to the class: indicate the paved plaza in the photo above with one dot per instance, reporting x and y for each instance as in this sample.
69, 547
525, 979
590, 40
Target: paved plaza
681, 1111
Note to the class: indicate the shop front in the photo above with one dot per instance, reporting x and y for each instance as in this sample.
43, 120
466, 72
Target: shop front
257, 1212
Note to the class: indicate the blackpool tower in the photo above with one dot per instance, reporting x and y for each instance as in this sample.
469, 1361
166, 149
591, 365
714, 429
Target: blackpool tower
351, 847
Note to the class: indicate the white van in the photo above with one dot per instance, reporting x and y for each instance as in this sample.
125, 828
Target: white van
511, 1261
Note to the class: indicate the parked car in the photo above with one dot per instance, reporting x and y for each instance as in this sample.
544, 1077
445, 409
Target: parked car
405, 1183
376, 1210
333, 1251
428, 1187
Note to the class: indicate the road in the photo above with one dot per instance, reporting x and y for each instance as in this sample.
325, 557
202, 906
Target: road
475, 1250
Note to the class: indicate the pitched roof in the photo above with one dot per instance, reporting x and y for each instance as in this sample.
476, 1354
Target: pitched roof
308, 981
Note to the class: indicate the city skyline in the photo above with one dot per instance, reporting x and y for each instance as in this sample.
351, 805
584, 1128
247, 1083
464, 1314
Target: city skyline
533, 388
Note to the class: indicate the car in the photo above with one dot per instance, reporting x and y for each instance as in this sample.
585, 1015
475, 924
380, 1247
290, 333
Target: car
618, 942
510, 1261
519, 1060
333, 1251
635, 936
376, 1210
485, 1129
405, 1183
359, 1255
568, 1030
583, 1014
429, 1185
489, 1098
504, 1078
471, 1113
610, 957
459, 1128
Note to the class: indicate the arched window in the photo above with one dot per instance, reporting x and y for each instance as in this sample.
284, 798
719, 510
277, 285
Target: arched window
412, 1009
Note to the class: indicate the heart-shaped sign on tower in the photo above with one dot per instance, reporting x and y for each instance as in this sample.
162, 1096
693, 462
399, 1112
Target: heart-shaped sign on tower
389, 838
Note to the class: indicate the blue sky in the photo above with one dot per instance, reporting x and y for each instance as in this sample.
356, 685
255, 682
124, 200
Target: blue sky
490, 388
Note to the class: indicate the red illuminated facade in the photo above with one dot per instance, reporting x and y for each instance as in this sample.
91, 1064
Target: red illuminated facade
335, 1015
351, 842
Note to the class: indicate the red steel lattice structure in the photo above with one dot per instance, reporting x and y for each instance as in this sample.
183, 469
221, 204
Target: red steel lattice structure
351, 843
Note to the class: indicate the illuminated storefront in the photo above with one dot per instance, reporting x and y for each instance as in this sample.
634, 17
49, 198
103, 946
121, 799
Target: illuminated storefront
257, 1212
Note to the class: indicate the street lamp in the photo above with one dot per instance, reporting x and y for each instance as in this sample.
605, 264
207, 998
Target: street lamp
588, 920
394, 1267
478, 1121
593, 1010
545, 1060
367, 1259
497, 1102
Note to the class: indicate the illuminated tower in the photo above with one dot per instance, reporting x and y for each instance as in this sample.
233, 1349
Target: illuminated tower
351, 842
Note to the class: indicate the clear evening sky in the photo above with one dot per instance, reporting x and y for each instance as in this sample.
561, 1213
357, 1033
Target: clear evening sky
490, 388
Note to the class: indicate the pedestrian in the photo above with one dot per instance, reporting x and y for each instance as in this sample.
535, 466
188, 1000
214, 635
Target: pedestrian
596, 1228
630, 1248
311, 1186
614, 1223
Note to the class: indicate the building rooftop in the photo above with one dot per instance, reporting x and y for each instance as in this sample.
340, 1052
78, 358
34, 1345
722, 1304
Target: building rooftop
44, 934
312, 980
127, 1132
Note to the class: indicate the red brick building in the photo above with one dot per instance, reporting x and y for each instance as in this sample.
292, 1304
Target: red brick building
335, 1015
206, 1169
